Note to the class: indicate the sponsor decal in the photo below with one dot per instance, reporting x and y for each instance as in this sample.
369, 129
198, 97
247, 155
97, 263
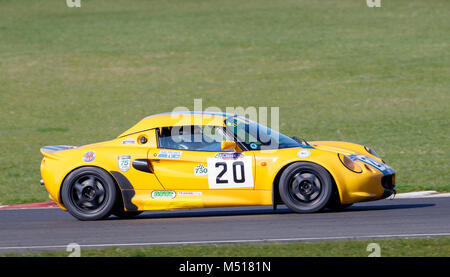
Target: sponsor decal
253, 145
128, 141
384, 168
200, 170
163, 194
124, 163
229, 156
303, 153
89, 156
167, 154
231, 124
189, 193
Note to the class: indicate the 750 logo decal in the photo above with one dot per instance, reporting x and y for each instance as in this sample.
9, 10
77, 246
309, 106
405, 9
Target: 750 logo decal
200, 170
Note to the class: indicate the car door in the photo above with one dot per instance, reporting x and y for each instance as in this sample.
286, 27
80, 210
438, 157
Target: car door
190, 158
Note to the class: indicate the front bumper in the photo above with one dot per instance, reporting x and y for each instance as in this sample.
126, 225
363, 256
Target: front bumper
366, 186
388, 183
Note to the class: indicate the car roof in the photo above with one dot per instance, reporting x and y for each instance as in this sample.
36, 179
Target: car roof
178, 119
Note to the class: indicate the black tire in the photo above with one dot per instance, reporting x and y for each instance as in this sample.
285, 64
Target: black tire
89, 193
305, 187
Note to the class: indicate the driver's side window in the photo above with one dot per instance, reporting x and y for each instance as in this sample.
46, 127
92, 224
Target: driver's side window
194, 138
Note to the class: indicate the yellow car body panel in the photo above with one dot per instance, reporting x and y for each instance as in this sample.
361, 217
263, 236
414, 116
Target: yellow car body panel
174, 181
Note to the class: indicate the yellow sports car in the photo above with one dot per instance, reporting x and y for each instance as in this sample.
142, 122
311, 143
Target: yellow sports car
199, 160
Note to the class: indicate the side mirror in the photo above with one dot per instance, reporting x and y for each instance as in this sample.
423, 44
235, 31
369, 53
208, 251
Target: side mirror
228, 145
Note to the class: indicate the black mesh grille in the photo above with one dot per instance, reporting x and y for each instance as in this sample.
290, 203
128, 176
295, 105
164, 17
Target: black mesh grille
388, 181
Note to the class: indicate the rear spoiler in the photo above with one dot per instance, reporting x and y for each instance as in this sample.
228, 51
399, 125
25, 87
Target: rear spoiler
49, 151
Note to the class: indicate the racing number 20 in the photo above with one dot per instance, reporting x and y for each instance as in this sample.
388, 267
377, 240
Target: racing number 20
235, 166
227, 173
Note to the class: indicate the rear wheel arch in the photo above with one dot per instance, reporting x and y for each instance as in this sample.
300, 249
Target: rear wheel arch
87, 166
89, 193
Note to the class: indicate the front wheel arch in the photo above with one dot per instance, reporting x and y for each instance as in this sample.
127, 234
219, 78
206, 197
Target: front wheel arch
276, 198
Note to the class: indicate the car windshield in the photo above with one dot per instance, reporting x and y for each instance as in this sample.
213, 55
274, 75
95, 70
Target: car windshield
256, 136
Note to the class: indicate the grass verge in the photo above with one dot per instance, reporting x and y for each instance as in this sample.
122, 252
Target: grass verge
337, 70
431, 247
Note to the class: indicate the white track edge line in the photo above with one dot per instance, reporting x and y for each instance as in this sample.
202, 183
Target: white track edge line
230, 241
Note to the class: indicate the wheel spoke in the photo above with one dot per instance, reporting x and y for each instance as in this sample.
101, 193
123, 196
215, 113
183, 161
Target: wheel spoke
91, 181
305, 186
298, 179
82, 202
315, 188
88, 204
306, 197
308, 176
296, 190
88, 193
78, 189
316, 182
99, 190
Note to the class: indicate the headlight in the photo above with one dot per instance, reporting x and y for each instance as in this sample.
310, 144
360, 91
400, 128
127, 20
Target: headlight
348, 163
371, 151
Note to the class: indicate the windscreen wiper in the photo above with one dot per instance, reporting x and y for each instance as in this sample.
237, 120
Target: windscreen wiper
301, 140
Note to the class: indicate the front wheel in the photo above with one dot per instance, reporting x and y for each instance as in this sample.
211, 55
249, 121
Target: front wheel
89, 193
305, 187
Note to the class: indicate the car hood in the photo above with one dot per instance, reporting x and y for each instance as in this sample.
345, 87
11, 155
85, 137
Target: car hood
341, 147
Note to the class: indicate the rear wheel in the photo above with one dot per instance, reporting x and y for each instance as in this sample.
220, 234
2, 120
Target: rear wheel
89, 193
305, 187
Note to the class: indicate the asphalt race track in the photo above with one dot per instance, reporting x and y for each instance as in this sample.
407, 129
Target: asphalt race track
52, 229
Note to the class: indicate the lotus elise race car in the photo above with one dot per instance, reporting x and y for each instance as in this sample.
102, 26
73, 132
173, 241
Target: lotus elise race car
199, 160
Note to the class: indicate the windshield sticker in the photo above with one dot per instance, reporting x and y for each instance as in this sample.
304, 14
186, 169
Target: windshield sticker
229, 156
166, 154
253, 146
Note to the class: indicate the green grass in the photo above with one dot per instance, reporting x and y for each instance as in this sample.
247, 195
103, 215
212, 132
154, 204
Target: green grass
437, 247
338, 70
